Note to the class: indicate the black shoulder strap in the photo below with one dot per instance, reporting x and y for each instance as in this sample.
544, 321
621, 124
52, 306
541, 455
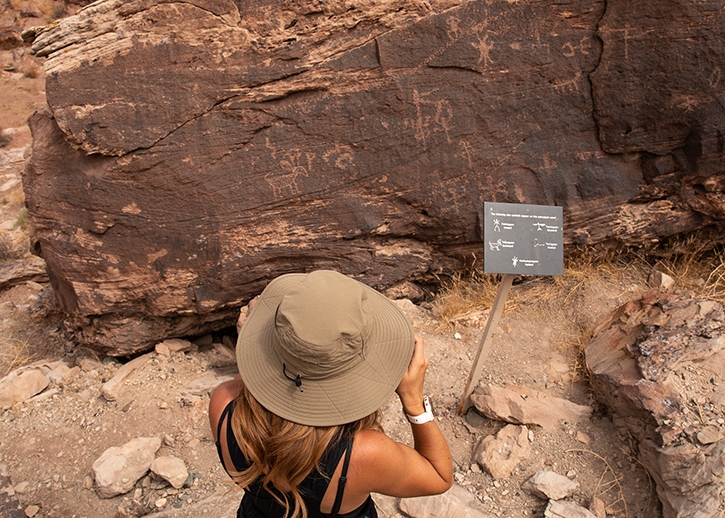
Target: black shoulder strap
226, 412
343, 480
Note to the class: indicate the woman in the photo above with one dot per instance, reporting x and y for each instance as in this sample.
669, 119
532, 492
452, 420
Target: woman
318, 355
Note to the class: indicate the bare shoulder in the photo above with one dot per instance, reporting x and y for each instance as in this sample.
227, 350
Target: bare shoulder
374, 451
220, 398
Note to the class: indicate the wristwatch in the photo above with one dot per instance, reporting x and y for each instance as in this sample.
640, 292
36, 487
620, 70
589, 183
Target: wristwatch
425, 416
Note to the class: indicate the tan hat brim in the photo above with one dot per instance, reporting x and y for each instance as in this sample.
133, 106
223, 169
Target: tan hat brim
333, 401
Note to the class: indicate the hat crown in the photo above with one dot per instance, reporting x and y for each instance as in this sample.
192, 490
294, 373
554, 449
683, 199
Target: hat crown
321, 326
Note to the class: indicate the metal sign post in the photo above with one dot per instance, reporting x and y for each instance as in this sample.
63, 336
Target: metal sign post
518, 240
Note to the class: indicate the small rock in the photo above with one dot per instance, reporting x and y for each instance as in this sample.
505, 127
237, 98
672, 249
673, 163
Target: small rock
168, 440
500, 455
88, 364
177, 345
549, 485
171, 469
112, 387
21, 488
163, 350
598, 508
557, 509
709, 435
31, 511
661, 280
583, 438
160, 502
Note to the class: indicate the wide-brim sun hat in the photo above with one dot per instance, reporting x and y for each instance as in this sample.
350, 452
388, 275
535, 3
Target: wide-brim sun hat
322, 349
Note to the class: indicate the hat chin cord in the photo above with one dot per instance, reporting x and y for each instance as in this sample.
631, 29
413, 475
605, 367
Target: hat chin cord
297, 380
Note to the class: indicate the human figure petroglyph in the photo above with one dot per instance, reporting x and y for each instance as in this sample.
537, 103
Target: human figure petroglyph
466, 150
287, 181
454, 27
628, 34
442, 116
549, 164
715, 77
688, 104
484, 49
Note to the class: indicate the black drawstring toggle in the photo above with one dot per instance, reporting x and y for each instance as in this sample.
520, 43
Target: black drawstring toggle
297, 380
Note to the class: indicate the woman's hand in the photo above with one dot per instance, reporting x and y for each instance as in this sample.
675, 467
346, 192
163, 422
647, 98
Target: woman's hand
410, 389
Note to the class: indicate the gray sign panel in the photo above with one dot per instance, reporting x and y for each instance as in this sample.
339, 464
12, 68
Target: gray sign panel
523, 239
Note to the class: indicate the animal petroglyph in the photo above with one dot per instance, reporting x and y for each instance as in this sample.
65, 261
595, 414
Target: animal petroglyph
570, 85
282, 183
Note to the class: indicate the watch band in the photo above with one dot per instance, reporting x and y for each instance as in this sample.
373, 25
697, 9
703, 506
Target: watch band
425, 416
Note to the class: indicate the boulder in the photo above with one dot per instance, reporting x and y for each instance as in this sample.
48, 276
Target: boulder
550, 486
499, 455
193, 151
118, 469
457, 502
20, 386
656, 363
522, 405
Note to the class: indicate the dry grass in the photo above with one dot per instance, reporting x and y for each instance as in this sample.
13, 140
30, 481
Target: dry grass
695, 266
14, 353
473, 291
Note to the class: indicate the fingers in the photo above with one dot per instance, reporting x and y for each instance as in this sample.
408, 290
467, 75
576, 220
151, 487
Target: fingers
410, 389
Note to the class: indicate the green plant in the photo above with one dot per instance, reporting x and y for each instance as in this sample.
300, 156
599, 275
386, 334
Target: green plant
23, 221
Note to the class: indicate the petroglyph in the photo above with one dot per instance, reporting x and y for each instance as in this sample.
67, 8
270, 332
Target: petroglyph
549, 164
715, 77
584, 47
426, 123
454, 27
570, 85
629, 34
493, 187
466, 152
342, 155
484, 49
282, 183
689, 104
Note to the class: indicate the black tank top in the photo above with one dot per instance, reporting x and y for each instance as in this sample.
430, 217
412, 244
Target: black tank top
257, 502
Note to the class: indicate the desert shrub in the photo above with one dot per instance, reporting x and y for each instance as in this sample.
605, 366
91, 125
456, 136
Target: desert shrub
23, 221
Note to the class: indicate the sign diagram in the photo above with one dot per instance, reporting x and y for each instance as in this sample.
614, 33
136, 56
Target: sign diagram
523, 239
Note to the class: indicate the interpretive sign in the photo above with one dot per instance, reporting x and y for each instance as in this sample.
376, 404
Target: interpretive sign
518, 240
523, 239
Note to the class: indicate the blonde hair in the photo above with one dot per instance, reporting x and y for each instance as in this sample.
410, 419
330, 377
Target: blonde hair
283, 453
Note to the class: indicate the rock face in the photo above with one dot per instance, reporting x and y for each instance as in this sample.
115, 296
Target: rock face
192, 151
658, 364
